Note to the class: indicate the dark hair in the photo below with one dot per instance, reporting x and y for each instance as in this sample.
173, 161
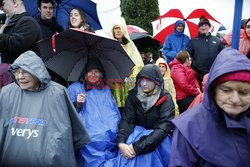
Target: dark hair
39, 3
246, 22
182, 56
82, 15
1, 3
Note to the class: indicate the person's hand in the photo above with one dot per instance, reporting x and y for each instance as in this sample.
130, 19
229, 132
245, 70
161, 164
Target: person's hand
132, 149
127, 150
80, 99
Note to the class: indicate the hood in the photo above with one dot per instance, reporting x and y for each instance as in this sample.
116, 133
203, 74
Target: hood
151, 72
93, 63
30, 62
176, 24
122, 24
174, 63
228, 60
162, 61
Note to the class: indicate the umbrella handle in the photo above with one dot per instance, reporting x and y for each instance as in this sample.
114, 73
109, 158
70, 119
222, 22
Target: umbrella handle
53, 42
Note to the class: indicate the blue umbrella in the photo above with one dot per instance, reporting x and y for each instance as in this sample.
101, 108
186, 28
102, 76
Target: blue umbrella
62, 8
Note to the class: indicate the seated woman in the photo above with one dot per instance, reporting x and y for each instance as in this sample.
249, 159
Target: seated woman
98, 112
185, 80
77, 19
168, 82
145, 121
216, 132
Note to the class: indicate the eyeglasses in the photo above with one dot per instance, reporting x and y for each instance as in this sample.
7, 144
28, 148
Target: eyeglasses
20, 71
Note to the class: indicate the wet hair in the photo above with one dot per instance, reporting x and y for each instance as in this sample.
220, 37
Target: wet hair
82, 15
182, 56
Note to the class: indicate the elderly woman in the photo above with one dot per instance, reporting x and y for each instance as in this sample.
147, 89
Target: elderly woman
39, 125
216, 132
145, 121
185, 80
120, 33
98, 112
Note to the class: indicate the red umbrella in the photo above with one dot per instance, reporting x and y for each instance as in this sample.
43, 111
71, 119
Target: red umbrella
162, 30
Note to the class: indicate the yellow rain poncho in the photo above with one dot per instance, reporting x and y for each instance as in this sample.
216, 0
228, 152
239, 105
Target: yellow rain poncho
168, 83
119, 93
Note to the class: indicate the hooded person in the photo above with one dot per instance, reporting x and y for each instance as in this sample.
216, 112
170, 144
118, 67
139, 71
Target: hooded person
175, 42
145, 121
244, 43
98, 112
119, 31
39, 125
168, 82
216, 132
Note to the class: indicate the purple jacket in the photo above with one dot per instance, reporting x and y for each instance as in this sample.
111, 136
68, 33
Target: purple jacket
206, 137
5, 78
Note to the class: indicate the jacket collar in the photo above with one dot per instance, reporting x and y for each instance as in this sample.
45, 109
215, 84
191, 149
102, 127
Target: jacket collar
16, 17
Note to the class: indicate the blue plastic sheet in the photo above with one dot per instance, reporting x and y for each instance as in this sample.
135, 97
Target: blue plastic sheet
159, 157
100, 116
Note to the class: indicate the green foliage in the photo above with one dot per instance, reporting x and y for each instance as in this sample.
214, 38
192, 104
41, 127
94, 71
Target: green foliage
140, 13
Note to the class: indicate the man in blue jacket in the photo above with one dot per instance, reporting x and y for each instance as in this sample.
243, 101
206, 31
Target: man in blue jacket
175, 42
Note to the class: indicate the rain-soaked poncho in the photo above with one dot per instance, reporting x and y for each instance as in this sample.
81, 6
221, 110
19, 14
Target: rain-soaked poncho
206, 137
41, 127
159, 157
121, 94
101, 117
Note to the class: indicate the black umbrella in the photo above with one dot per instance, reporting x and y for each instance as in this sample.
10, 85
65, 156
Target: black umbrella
67, 53
143, 40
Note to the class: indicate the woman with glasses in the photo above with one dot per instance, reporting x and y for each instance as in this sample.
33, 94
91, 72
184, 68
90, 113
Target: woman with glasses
39, 125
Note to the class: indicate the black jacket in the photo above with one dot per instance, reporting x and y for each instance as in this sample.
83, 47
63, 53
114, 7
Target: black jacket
20, 35
203, 50
157, 117
48, 27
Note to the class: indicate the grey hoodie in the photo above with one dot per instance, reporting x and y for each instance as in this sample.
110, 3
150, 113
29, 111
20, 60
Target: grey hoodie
38, 128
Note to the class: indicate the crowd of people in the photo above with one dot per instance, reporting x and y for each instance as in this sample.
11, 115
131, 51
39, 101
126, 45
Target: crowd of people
191, 107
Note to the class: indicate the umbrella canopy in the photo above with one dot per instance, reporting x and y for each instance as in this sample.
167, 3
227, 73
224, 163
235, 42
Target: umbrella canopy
67, 53
143, 40
62, 8
164, 25
135, 29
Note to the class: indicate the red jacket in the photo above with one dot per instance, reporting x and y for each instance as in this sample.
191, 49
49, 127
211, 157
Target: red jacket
185, 80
